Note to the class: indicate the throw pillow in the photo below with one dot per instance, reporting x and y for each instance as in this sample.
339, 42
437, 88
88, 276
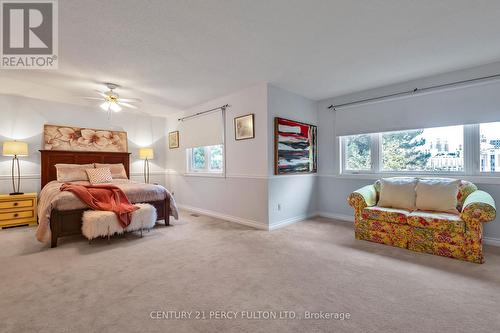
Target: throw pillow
437, 194
72, 172
398, 192
117, 170
99, 175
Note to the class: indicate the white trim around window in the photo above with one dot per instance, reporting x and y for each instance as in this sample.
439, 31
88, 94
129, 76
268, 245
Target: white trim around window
207, 170
471, 159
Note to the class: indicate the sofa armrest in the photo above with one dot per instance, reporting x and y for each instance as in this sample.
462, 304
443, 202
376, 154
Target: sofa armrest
364, 197
479, 206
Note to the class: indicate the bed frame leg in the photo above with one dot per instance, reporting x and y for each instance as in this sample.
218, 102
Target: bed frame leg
167, 211
54, 229
53, 241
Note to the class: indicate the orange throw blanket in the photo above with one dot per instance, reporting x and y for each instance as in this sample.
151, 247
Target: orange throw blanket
104, 197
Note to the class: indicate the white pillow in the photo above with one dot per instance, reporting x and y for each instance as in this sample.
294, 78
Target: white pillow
72, 172
437, 194
99, 176
398, 192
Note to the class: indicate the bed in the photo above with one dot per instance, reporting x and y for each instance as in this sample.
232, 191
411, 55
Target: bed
60, 213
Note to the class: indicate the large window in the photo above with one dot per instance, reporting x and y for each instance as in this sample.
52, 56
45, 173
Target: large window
468, 150
489, 147
207, 159
432, 149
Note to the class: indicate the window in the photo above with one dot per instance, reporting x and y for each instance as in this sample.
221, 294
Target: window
358, 152
430, 150
207, 159
433, 149
489, 135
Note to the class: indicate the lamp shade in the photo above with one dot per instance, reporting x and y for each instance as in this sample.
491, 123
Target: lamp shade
146, 153
12, 148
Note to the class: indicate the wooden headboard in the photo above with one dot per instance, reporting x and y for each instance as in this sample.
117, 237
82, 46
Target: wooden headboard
52, 157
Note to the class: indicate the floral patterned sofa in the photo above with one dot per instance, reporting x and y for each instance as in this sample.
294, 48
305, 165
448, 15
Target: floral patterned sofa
444, 234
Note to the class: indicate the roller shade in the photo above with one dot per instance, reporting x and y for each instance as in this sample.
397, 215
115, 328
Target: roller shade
203, 130
478, 103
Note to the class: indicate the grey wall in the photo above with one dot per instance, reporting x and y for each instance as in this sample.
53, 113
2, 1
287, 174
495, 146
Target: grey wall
250, 192
295, 194
241, 196
23, 119
334, 189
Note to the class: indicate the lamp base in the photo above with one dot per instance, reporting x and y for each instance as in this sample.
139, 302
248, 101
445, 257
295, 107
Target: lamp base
16, 193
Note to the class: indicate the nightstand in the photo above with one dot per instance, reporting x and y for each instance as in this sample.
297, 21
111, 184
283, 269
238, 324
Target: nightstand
18, 209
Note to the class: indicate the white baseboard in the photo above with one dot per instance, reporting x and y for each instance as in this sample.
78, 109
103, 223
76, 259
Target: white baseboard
230, 218
491, 241
340, 217
292, 220
247, 222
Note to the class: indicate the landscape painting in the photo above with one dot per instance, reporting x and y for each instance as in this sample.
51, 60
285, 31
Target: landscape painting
243, 127
173, 140
295, 147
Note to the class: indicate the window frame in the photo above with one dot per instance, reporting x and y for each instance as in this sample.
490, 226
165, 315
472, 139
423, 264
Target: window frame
207, 170
373, 150
471, 156
478, 158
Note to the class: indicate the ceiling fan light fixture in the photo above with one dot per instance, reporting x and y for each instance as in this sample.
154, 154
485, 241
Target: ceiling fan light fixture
115, 107
105, 106
112, 102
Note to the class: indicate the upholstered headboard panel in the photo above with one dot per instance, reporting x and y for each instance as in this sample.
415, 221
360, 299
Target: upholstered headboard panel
52, 157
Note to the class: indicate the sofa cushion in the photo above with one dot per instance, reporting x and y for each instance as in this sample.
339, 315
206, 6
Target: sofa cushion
384, 214
464, 189
437, 194
397, 192
437, 221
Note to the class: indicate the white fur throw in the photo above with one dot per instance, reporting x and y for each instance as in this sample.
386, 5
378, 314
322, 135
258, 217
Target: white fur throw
97, 223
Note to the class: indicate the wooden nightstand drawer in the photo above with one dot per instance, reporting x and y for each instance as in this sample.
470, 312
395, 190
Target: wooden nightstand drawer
17, 215
18, 209
17, 204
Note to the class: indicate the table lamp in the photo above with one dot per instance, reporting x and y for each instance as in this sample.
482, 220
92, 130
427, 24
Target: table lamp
15, 149
146, 154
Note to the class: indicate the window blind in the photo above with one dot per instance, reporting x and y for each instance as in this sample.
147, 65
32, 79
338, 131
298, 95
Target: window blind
204, 130
460, 105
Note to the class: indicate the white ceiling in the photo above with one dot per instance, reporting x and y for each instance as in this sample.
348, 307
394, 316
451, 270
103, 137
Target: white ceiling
178, 53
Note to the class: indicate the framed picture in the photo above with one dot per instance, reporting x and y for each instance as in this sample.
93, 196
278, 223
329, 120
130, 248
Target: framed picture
173, 140
243, 127
70, 138
295, 147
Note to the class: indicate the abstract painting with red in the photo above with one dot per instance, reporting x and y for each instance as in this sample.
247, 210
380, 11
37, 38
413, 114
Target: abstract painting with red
295, 147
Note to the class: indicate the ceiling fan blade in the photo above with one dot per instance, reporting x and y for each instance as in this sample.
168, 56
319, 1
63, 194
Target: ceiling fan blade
93, 98
127, 105
130, 100
100, 93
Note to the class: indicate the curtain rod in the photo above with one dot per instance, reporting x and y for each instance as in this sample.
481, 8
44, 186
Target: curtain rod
223, 107
416, 90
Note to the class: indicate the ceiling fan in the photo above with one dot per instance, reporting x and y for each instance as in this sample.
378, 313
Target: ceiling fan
111, 101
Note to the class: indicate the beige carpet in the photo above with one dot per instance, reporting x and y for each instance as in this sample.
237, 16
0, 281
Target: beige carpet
204, 264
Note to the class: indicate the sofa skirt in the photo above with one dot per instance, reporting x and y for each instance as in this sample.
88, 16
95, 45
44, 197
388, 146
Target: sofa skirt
426, 240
